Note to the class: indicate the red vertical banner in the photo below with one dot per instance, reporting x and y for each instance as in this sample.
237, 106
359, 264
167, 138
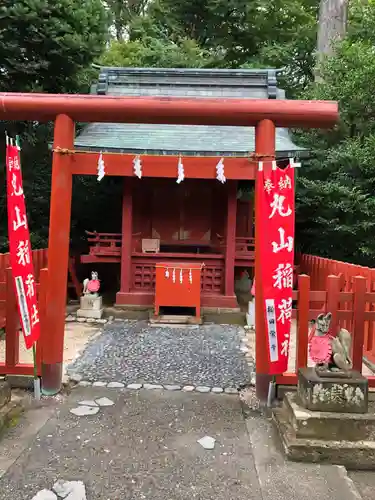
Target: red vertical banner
277, 261
20, 249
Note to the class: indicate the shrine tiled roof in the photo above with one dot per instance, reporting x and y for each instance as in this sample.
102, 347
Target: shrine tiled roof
183, 139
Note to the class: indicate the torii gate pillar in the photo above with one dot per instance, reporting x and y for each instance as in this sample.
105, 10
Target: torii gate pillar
265, 136
58, 255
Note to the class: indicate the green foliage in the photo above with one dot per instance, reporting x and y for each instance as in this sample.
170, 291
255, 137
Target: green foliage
49, 46
335, 198
153, 52
45, 46
123, 12
237, 30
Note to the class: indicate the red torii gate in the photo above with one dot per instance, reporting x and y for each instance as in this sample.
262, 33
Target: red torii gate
65, 110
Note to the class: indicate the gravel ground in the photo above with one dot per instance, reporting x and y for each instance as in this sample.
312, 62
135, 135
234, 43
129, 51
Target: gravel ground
128, 352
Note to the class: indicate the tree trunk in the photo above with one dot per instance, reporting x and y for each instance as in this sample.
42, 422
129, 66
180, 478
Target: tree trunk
331, 28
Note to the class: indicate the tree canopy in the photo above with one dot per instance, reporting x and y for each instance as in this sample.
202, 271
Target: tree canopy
45, 46
49, 46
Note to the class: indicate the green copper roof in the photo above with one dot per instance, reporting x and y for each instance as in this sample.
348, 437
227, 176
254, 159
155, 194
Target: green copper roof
183, 139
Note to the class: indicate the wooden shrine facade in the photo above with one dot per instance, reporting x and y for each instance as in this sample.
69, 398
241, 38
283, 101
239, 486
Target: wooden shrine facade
199, 220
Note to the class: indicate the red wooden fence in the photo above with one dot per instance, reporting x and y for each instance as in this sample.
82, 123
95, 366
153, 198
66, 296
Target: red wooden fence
350, 309
11, 364
39, 260
319, 268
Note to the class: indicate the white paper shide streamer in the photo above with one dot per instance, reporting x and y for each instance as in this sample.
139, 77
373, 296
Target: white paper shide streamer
101, 171
180, 171
137, 165
293, 163
220, 171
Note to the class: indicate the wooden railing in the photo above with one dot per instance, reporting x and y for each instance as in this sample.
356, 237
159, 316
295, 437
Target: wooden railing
351, 310
245, 246
104, 243
11, 365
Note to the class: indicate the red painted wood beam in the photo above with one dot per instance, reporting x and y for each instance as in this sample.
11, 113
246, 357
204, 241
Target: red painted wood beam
194, 111
58, 257
163, 166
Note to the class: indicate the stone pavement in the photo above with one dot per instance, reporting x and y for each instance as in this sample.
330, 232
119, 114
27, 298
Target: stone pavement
365, 483
144, 446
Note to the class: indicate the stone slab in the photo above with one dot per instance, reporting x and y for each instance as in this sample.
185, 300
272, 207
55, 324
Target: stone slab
333, 394
90, 313
329, 425
45, 495
5, 393
283, 479
9, 412
21, 381
358, 455
91, 302
175, 319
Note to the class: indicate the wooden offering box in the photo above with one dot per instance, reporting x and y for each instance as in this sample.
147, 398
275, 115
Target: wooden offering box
178, 284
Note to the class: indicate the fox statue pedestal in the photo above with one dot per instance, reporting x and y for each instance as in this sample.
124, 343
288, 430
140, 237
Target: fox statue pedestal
333, 394
91, 307
91, 301
329, 419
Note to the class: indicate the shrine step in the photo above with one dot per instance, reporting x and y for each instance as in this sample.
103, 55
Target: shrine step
173, 319
329, 426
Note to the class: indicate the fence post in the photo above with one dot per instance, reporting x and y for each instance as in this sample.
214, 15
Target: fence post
358, 333
333, 299
42, 302
303, 320
12, 340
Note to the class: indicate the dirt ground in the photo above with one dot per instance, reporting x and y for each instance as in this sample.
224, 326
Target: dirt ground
77, 335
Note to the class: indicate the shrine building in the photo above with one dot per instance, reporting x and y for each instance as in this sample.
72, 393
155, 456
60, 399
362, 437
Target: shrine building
206, 219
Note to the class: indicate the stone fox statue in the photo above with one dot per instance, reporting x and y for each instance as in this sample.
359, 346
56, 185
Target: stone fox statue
91, 286
329, 352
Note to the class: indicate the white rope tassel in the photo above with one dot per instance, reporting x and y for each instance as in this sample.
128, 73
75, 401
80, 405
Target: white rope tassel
220, 171
190, 277
137, 166
166, 272
181, 276
174, 275
180, 171
101, 171
274, 165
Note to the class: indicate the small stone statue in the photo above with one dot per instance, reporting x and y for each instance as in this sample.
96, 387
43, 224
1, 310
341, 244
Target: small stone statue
91, 286
330, 353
